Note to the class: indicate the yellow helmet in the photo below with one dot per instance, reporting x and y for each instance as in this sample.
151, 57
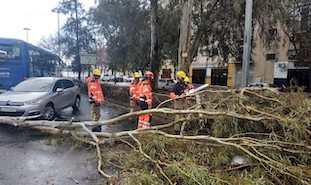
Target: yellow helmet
181, 74
96, 72
136, 75
187, 79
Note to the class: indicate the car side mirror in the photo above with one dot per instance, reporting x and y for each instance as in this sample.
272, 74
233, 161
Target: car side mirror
11, 88
59, 90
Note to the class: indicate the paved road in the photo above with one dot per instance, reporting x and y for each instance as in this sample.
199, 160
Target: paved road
25, 158
119, 84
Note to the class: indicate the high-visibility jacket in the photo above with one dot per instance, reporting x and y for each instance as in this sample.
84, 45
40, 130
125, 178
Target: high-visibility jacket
135, 90
94, 90
145, 92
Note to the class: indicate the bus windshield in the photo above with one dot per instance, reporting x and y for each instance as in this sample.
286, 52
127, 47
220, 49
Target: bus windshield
10, 51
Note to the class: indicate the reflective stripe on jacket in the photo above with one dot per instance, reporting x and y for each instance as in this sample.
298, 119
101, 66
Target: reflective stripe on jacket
146, 92
135, 91
95, 91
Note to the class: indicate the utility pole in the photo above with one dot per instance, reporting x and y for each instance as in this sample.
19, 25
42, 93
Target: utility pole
247, 42
77, 37
27, 29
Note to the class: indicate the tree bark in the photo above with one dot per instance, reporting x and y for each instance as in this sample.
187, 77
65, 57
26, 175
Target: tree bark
154, 52
185, 33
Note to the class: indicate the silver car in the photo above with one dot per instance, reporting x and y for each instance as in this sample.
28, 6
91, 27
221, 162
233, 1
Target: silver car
166, 83
40, 97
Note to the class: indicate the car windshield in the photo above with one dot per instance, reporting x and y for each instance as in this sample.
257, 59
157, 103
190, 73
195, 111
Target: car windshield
34, 85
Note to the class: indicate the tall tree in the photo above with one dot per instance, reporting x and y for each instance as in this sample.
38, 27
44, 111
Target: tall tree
77, 34
185, 34
217, 26
125, 26
154, 50
49, 43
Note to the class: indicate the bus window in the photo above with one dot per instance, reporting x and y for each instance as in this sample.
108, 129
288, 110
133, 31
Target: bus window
10, 52
41, 64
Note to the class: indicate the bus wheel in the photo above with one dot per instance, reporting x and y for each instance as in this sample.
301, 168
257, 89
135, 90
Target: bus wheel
76, 105
49, 113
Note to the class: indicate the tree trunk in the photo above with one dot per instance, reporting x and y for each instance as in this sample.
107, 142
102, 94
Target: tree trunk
185, 33
154, 52
195, 43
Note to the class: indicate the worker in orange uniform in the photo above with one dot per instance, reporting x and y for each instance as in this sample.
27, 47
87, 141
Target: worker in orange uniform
145, 100
95, 93
135, 92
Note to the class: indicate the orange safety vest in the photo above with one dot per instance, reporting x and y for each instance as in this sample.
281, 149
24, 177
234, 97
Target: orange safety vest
95, 90
135, 91
146, 91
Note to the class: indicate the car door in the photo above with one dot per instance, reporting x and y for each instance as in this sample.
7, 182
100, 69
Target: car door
68, 94
161, 84
57, 97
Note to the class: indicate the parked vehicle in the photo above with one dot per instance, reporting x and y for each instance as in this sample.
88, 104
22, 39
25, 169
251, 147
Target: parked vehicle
116, 79
40, 97
20, 60
106, 77
259, 84
128, 78
166, 83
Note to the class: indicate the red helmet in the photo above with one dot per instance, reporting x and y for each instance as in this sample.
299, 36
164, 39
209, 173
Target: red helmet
149, 74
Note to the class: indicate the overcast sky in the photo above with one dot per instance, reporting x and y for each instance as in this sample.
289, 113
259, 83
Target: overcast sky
15, 15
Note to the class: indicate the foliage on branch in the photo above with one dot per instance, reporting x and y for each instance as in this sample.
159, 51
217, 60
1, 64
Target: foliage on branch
247, 136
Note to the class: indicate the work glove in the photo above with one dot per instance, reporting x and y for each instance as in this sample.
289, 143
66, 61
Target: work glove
143, 103
91, 100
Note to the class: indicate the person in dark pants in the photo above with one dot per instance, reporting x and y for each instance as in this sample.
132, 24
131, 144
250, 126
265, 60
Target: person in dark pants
179, 89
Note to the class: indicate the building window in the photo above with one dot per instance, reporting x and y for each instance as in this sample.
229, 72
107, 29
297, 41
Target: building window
273, 33
270, 57
292, 54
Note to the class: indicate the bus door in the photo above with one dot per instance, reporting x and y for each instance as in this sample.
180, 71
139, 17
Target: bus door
11, 66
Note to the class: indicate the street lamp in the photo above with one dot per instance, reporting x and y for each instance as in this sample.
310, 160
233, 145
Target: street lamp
26, 30
56, 10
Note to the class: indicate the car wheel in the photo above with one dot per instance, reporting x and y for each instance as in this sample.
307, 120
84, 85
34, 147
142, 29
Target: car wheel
76, 105
49, 112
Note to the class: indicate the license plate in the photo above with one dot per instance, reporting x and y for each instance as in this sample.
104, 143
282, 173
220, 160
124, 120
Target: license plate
8, 109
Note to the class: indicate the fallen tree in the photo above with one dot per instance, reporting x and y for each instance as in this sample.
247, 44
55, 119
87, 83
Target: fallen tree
246, 136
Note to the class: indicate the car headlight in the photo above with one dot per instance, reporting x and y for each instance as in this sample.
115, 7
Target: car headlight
34, 102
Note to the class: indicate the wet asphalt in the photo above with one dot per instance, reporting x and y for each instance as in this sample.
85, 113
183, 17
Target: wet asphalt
27, 159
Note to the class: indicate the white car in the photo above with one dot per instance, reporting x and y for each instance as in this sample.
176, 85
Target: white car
166, 83
128, 78
106, 78
259, 84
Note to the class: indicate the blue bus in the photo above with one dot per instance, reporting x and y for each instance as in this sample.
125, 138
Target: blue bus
20, 60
